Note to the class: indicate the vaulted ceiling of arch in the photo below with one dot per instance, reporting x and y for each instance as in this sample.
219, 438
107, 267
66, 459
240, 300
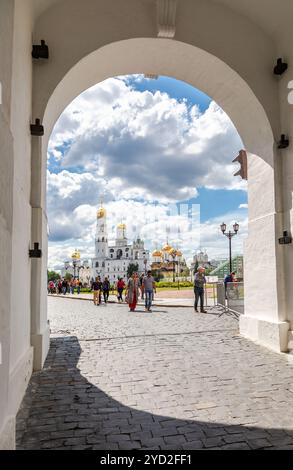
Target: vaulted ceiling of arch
271, 15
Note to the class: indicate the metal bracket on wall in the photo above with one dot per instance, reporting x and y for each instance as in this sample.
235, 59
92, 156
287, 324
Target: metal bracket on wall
40, 51
36, 252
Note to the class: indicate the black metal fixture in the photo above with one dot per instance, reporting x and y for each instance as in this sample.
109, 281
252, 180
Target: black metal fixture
242, 159
145, 261
37, 128
75, 266
36, 252
230, 235
40, 51
284, 142
285, 239
173, 253
281, 67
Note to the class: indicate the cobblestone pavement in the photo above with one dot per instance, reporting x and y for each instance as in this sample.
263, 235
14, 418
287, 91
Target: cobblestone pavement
177, 298
171, 379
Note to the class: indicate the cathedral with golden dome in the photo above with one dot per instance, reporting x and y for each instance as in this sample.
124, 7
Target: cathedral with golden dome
167, 261
113, 260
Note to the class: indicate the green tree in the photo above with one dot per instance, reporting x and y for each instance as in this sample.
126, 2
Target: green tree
68, 276
53, 276
132, 268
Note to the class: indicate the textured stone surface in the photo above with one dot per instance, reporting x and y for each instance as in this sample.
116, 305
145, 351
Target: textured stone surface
170, 379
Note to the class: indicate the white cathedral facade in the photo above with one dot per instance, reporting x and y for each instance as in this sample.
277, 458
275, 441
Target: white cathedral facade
112, 261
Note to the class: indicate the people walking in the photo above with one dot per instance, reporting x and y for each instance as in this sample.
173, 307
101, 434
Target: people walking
199, 283
132, 291
51, 287
78, 286
59, 287
96, 288
228, 279
106, 289
141, 286
149, 286
64, 286
120, 289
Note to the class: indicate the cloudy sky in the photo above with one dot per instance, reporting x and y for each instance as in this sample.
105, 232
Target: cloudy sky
159, 153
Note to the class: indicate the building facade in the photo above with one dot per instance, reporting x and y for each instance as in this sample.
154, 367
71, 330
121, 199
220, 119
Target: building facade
200, 259
78, 269
112, 261
167, 262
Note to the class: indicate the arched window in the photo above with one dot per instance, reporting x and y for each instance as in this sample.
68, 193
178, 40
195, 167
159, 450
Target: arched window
103, 264
119, 254
103, 239
97, 264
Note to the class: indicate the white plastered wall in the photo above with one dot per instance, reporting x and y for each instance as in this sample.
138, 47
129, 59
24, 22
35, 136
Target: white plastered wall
6, 204
285, 50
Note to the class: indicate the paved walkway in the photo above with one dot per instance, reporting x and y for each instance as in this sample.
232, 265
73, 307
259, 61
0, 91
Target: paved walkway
171, 299
171, 379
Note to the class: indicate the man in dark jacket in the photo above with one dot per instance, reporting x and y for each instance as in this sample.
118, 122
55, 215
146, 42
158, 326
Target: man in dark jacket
229, 278
199, 282
106, 289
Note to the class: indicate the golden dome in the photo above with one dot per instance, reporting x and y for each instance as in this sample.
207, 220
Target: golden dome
121, 226
101, 213
157, 254
167, 248
179, 253
75, 255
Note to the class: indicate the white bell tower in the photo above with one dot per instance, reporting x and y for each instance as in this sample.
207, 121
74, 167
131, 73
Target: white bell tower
101, 241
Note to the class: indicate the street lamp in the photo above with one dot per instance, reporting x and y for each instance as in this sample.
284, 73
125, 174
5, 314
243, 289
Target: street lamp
74, 263
145, 263
173, 253
230, 235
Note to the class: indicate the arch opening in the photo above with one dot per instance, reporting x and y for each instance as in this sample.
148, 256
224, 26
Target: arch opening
215, 78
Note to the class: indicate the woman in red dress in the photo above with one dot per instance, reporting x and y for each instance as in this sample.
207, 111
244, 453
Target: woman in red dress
132, 291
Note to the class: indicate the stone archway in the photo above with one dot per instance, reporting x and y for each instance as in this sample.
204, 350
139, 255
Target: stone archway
265, 318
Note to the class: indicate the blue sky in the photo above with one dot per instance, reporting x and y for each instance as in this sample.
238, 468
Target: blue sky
175, 89
143, 145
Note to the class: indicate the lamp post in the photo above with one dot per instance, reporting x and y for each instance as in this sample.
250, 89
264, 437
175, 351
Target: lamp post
230, 235
145, 264
74, 268
173, 253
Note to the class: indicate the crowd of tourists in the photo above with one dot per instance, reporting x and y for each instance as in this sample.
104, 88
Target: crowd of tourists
143, 286
64, 286
129, 292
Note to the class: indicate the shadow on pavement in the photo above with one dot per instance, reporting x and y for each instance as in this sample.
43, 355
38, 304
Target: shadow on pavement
63, 410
